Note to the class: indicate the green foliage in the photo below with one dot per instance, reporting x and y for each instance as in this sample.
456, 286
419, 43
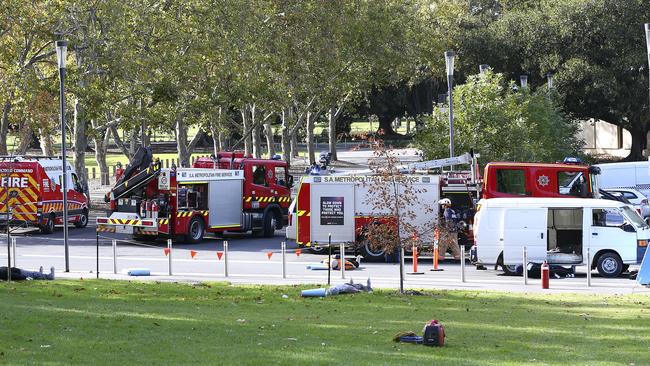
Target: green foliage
500, 123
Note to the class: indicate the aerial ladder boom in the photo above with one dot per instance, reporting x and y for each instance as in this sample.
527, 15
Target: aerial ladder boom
136, 181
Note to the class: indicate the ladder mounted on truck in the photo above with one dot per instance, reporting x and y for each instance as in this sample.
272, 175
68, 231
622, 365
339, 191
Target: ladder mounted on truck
466, 158
138, 180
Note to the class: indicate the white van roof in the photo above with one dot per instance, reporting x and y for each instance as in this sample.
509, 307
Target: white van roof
550, 202
624, 165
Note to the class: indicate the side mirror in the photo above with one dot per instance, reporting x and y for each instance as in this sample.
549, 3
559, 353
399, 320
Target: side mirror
628, 228
290, 181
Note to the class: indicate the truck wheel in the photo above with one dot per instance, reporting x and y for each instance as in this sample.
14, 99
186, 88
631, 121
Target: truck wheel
317, 249
83, 220
48, 227
609, 265
195, 231
369, 254
270, 222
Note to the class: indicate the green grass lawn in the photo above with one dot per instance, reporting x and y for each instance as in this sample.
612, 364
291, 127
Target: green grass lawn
116, 323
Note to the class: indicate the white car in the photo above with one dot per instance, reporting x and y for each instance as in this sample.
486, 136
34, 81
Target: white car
635, 197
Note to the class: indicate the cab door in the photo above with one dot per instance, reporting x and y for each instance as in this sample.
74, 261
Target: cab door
524, 227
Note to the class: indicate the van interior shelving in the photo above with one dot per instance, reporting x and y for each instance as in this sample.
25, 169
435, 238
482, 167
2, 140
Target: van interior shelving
564, 233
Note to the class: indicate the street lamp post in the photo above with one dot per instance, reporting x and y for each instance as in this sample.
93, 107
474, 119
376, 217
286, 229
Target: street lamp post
647, 43
523, 79
449, 60
549, 80
61, 52
483, 68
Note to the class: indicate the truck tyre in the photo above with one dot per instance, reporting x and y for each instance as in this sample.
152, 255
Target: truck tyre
270, 222
83, 220
369, 254
317, 249
195, 231
609, 265
48, 227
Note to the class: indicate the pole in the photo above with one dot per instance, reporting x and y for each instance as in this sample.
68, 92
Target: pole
329, 259
284, 259
8, 231
169, 255
525, 270
401, 269
114, 256
342, 261
450, 81
462, 263
13, 247
64, 180
97, 254
225, 258
588, 267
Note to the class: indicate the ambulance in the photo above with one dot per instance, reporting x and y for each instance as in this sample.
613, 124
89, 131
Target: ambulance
31, 193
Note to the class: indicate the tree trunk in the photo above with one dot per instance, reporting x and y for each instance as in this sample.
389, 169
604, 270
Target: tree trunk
408, 126
25, 134
294, 146
80, 140
4, 126
217, 135
255, 134
181, 143
309, 138
285, 140
46, 141
101, 147
639, 142
268, 131
331, 118
246, 126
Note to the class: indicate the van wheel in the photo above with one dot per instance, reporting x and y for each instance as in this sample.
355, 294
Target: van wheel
48, 227
369, 254
195, 231
509, 270
270, 222
83, 220
610, 265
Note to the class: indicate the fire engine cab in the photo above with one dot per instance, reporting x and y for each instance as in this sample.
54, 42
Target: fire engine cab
35, 196
185, 203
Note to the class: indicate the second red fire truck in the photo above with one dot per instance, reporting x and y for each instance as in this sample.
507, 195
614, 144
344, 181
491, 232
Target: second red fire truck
230, 192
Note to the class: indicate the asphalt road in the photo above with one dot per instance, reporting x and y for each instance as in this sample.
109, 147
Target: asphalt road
259, 261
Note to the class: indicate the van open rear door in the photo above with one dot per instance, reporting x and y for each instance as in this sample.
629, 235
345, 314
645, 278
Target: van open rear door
525, 227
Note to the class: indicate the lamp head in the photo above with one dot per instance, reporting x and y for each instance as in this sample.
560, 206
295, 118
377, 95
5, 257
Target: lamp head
524, 80
61, 53
449, 60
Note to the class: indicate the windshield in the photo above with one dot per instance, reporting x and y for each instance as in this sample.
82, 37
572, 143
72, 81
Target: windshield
633, 216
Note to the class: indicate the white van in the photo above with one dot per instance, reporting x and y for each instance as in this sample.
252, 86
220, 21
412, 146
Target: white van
634, 175
291, 221
559, 230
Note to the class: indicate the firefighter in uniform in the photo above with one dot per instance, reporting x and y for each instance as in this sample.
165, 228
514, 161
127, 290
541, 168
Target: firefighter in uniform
448, 231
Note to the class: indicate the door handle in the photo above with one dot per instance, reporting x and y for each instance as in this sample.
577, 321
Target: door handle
541, 235
594, 234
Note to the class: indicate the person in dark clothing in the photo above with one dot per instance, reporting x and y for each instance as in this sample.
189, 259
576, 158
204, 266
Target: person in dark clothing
18, 274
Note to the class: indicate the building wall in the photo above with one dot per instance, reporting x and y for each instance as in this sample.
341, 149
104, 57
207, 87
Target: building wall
603, 138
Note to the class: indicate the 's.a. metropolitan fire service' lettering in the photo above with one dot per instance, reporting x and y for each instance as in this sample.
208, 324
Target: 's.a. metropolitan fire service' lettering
371, 179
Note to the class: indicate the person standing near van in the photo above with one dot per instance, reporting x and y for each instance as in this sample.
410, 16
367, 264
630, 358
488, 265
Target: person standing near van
448, 231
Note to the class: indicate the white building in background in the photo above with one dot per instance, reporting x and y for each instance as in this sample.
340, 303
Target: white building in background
605, 139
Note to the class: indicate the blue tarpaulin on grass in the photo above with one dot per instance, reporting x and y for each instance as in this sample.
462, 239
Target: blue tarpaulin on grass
643, 277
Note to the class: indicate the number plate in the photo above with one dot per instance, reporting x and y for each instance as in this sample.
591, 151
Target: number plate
124, 229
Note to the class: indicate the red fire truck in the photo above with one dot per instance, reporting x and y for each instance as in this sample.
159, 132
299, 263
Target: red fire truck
185, 203
338, 205
35, 196
508, 179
